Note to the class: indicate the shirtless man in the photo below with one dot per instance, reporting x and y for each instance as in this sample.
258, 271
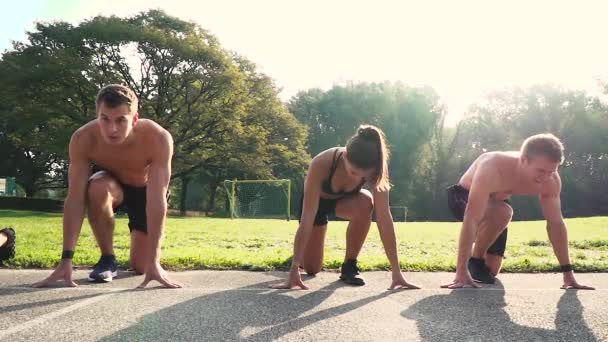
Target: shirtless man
131, 160
480, 200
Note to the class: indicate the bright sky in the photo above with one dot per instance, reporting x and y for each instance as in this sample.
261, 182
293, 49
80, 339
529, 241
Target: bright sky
461, 48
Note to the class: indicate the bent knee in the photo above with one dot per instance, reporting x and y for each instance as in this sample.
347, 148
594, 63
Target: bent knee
365, 202
98, 190
311, 271
312, 268
101, 189
504, 213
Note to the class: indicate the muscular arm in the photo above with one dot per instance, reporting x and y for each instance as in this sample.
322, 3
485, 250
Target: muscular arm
556, 230
73, 207
556, 227
384, 220
310, 205
312, 193
479, 193
156, 201
75, 201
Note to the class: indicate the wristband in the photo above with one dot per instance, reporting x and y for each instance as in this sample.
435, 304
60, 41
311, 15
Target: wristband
67, 254
566, 268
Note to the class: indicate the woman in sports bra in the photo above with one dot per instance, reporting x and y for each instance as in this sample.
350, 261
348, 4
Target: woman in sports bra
334, 185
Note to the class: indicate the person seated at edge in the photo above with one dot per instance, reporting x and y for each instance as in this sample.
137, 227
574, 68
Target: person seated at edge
480, 200
131, 159
334, 184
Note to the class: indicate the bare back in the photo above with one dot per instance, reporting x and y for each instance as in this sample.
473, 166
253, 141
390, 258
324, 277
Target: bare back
502, 168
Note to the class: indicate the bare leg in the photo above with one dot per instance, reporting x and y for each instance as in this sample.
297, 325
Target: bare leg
358, 209
139, 243
3, 239
356, 233
313, 254
496, 219
494, 263
103, 194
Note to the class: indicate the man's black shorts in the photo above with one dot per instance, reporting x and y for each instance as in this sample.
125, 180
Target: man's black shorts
458, 198
133, 203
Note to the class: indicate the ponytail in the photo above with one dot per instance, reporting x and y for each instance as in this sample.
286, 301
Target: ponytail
367, 150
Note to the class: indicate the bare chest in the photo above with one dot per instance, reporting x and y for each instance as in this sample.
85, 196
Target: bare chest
520, 189
129, 165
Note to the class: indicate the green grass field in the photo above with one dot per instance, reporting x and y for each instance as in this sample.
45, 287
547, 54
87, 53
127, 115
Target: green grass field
208, 243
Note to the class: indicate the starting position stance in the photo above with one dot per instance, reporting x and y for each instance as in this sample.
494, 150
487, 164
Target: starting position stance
480, 200
334, 184
117, 161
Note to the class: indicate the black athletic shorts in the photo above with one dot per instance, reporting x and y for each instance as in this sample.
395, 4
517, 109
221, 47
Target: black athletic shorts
133, 203
458, 198
327, 207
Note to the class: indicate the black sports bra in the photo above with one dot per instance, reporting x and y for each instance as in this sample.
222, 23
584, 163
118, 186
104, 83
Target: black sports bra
326, 184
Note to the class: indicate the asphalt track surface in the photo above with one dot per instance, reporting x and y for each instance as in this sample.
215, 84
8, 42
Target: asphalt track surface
238, 305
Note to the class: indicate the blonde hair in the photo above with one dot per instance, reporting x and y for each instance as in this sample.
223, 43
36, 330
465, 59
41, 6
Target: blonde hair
545, 144
367, 150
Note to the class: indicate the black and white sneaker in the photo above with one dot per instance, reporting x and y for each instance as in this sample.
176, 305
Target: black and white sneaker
480, 271
349, 273
105, 269
7, 251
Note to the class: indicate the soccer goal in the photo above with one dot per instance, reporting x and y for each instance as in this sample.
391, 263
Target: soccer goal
269, 198
8, 187
399, 213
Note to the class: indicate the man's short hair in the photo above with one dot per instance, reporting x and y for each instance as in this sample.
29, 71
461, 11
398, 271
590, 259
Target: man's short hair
546, 144
114, 95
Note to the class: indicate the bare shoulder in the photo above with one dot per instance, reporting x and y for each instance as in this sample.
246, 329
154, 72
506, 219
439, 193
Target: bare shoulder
488, 162
324, 159
320, 164
84, 137
499, 162
498, 157
488, 168
154, 133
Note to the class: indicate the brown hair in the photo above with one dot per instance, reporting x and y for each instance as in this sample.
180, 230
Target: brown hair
367, 150
114, 95
546, 144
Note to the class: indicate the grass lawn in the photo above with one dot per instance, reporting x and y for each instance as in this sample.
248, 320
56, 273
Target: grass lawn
209, 243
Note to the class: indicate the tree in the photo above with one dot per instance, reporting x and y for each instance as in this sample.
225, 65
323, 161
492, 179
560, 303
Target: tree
184, 79
408, 116
269, 143
506, 117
